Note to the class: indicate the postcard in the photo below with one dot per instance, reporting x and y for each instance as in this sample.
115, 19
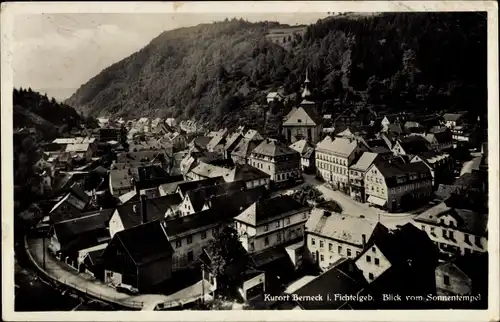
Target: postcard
253, 161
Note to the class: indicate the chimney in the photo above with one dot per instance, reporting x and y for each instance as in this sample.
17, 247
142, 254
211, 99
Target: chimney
144, 209
363, 238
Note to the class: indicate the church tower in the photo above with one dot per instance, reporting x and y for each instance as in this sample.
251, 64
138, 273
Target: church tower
306, 93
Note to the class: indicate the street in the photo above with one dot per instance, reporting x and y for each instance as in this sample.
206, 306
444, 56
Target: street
353, 208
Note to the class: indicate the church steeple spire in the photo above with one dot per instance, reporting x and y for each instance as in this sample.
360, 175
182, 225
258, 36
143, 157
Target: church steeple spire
306, 93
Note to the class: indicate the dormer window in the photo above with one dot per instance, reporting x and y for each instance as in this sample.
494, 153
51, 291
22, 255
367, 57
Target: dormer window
299, 121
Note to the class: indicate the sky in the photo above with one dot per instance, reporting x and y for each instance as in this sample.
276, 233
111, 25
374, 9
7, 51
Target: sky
56, 53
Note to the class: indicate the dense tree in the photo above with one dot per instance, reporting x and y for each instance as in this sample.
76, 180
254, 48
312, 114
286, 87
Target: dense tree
410, 59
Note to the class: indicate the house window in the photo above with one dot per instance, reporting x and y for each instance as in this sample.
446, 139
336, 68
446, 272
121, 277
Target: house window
190, 240
374, 249
288, 221
178, 243
340, 249
266, 227
357, 253
322, 258
368, 259
423, 227
432, 231
348, 252
450, 235
446, 280
266, 241
279, 237
370, 276
203, 234
314, 256
377, 262
278, 224
444, 233
252, 246
190, 256
313, 241
320, 244
330, 247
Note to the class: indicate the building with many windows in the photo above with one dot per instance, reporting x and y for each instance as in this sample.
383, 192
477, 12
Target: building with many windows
271, 222
331, 237
453, 230
396, 185
333, 158
279, 161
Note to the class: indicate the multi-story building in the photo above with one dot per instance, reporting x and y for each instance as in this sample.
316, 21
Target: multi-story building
438, 163
332, 236
333, 158
306, 150
395, 185
271, 222
357, 175
279, 161
455, 231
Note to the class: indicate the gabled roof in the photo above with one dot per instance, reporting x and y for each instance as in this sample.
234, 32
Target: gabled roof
407, 245
467, 220
151, 233
122, 178
131, 213
391, 170
273, 148
365, 161
253, 135
440, 137
244, 148
245, 172
341, 227
180, 226
216, 140
237, 200
232, 140
207, 170
301, 146
201, 141
414, 144
193, 185
301, 117
266, 209
83, 232
139, 156
340, 146
274, 95
331, 282
79, 147
171, 187
199, 196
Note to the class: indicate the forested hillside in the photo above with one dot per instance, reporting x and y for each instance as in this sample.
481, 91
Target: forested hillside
214, 72
49, 117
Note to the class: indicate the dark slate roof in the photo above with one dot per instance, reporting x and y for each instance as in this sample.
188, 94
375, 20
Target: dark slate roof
201, 141
273, 148
171, 187
405, 246
469, 180
131, 215
232, 140
193, 185
245, 172
265, 209
330, 282
376, 143
83, 232
153, 245
206, 218
238, 200
199, 196
452, 116
392, 170
152, 172
245, 147
380, 150
414, 144
139, 156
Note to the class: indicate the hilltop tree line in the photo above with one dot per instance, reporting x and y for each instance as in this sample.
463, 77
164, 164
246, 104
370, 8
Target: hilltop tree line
215, 72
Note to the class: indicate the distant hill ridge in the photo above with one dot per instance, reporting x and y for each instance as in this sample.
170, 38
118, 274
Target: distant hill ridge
214, 72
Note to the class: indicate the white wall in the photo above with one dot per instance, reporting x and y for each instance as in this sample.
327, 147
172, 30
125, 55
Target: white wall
367, 263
